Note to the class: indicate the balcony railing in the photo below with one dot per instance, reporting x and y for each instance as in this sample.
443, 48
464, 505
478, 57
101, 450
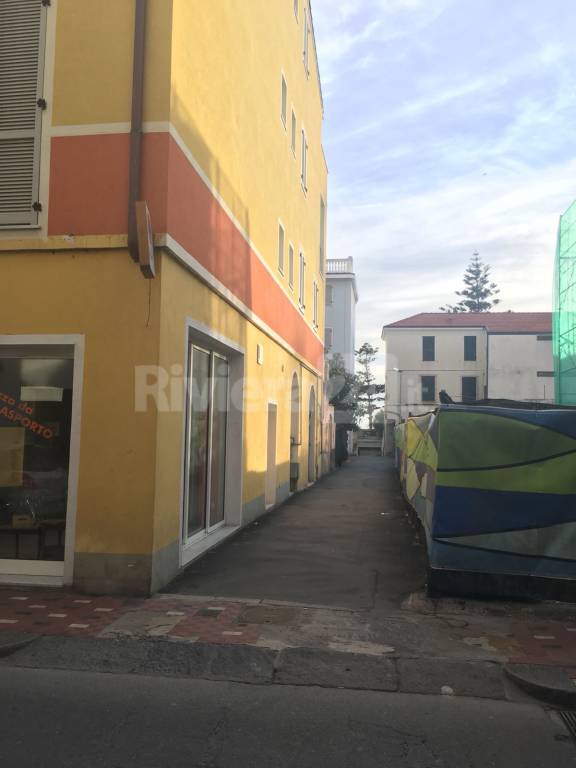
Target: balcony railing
339, 266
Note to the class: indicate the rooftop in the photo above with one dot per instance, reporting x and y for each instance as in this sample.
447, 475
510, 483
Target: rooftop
494, 322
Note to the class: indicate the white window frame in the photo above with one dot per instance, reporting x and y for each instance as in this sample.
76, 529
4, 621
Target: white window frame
302, 283
45, 572
200, 335
306, 43
291, 265
322, 235
281, 246
284, 101
316, 291
304, 162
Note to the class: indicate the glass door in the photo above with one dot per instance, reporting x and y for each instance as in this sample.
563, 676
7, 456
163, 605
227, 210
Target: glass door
218, 431
35, 423
207, 422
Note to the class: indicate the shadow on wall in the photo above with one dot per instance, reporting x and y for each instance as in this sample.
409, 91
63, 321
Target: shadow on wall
256, 507
199, 222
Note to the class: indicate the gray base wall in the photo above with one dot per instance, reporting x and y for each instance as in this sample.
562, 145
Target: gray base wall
142, 575
106, 574
257, 507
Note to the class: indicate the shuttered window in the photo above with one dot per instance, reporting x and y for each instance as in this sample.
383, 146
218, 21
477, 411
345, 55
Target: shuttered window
22, 41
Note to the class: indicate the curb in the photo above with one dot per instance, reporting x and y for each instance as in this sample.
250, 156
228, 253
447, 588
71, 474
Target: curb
551, 685
295, 666
17, 644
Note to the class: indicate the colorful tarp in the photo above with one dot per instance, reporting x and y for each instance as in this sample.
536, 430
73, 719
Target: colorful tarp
494, 488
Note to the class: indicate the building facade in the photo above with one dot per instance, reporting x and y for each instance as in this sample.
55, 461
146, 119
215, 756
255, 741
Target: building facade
156, 394
341, 300
471, 356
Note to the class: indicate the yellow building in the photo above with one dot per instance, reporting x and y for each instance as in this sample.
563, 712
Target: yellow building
149, 410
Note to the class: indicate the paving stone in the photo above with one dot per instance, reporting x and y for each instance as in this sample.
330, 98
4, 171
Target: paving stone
141, 623
303, 666
242, 663
122, 656
480, 679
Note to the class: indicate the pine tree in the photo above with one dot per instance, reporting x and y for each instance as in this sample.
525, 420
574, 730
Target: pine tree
479, 293
369, 394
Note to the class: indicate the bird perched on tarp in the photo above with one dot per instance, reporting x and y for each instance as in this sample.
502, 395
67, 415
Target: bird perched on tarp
445, 398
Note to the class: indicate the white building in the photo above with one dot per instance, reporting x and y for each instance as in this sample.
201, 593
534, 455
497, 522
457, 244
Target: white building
341, 300
472, 356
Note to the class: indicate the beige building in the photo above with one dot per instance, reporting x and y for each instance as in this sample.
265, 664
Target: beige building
471, 356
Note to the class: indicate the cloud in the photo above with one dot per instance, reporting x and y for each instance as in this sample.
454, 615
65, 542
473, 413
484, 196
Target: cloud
446, 133
341, 28
411, 252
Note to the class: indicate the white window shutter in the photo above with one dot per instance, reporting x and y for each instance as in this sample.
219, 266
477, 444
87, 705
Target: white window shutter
22, 42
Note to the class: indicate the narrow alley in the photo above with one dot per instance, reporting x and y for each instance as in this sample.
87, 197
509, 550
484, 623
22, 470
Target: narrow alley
346, 542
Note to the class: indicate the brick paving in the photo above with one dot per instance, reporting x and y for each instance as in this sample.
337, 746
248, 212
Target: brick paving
545, 642
214, 620
69, 614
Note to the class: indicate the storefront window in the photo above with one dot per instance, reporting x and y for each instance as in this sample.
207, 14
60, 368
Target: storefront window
35, 421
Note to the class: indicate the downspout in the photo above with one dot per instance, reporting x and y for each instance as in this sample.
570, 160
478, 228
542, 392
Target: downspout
135, 161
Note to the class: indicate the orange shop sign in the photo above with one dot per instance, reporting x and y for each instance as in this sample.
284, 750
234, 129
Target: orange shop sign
19, 414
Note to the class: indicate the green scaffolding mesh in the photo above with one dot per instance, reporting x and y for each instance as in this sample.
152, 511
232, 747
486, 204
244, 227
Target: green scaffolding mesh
564, 327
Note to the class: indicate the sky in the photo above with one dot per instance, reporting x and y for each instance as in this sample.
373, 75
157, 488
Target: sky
450, 127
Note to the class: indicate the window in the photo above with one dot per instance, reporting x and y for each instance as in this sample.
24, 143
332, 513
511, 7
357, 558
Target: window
296, 8
304, 162
469, 391
281, 248
428, 389
291, 265
21, 86
293, 134
328, 338
284, 101
428, 348
330, 294
545, 374
35, 433
315, 312
206, 437
302, 292
469, 348
322, 235
305, 52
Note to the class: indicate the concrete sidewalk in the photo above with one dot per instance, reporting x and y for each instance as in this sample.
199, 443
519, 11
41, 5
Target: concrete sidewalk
346, 542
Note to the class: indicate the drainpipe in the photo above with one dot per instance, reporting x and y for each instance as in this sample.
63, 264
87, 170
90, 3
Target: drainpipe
135, 167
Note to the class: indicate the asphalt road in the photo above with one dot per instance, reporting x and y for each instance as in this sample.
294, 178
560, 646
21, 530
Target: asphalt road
345, 542
56, 719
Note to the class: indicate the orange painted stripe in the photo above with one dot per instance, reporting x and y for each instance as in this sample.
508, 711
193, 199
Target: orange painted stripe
89, 183
88, 196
